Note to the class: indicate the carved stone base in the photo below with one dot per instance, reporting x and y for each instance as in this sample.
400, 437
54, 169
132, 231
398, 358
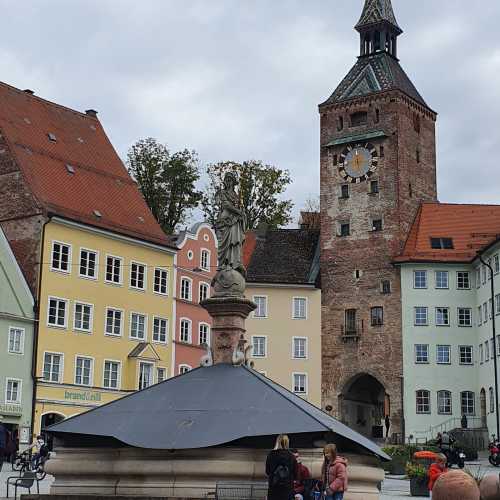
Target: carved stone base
229, 315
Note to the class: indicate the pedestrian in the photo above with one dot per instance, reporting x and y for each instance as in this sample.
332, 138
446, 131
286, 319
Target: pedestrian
490, 487
281, 470
456, 485
334, 473
40, 451
303, 473
464, 422
436, 470
3, 443
387, 425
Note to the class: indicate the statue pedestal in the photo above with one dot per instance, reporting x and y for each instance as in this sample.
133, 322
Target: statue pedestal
229, 315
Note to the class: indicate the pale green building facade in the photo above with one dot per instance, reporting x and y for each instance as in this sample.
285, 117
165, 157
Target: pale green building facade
17, 322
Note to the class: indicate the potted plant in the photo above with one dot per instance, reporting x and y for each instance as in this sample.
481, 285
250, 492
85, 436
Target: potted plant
400, 455
418, 479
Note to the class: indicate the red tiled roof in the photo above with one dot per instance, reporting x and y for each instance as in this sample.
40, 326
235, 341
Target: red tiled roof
100, 180
472, 227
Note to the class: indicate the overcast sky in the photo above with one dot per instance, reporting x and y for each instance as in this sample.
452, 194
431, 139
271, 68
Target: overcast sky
241, 79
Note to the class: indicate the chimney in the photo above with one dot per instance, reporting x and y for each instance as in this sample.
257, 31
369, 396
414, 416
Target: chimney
28, 91
91, 112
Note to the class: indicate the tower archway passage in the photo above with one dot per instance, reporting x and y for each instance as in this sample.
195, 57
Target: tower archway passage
362, 405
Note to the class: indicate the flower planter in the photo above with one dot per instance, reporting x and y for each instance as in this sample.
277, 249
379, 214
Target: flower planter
418, 487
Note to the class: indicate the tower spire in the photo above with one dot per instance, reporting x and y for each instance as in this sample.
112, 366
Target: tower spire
377, 11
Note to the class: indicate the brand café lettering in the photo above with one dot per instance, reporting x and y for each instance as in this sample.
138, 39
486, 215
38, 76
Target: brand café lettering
82, 396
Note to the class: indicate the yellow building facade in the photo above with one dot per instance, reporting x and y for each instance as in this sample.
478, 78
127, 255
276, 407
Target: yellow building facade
105, 321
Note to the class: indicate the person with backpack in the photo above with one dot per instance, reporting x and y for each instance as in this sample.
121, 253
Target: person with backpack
281, 470
334, 474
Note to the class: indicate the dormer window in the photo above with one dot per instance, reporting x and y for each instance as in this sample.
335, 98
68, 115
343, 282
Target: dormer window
442, 243
359, 118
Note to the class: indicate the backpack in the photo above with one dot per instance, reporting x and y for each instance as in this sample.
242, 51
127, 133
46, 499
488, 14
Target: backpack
281, 476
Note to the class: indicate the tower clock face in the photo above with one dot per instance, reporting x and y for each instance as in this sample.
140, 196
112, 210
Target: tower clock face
358, 163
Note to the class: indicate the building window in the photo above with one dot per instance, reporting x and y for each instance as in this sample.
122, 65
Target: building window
185, 335
442, 316
344, 191
374, 187
359, 118
377, 316
345, 229
161, 281
113, 270
421, 316
466, 354
478, 277
111, 374
377, 225
300, 383
485, 312
423, 401
377, 118
203, 292
261, 311
497, 303
481, 353
137, 326
386, 287
421, 354
444, 402
57, 313
160, 330
468, 403
205, 260
350, 322
259, 348
203, 334
299, 308
52, 367
441, 279
299, 348
184, 369
83, 317
145, 375
417, 155
138, 276
442, 243
335, 160
114, 322
88, 264
161, 375
496, 263
13, 391
483, 274
464, 316
492, 400
480, 315
186, 289
491, 307
443, 355
16, 340
419, 279
463, 280
83, 371
61, 257
486, 351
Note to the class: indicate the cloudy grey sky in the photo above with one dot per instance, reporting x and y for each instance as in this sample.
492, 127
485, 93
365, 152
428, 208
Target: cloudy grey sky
241, 79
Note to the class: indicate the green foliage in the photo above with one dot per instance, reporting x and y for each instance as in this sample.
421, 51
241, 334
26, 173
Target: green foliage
415, 470
405, 451
259, 187
166, 180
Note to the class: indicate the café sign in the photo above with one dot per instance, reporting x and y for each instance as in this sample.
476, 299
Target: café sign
82, 396
11, 409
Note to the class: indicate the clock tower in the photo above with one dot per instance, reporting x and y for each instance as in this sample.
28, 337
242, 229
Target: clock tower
378, 163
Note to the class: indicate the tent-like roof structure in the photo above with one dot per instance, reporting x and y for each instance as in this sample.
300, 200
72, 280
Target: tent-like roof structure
207, 407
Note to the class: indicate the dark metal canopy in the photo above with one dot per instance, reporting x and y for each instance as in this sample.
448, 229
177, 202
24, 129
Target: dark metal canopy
207, 407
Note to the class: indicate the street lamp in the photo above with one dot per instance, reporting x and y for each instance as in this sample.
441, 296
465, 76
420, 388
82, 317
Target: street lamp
495, 351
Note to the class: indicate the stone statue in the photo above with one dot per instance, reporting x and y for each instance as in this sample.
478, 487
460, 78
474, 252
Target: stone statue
230, 228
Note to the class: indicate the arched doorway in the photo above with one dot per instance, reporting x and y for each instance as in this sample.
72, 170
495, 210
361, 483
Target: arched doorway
47, 420
363, 404
482, 401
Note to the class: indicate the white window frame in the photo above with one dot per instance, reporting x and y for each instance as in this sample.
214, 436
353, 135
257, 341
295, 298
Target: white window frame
145, 276
415, 279
468, 413
70, 252
152, 374
207, 285
190, 330
480, 315
496, 263
449, 354
265, 346
60, 377
426, 316
66, 312
190, 295
306, 383
266, 302
158, 341
471, 347
91, 319
167, 283
91, 376
122, 319
306, 348
481, 353
469, 279
491, 394
205, 268
436, 317
118, 374
449, 396
112, 282
19, 390
447, 274
96, 269
306, 307
417, 362
22, 332
145, 316
471, 317
164, 370
423, 411
200, 324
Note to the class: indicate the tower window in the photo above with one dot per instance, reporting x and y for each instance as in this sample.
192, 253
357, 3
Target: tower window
340, 123
377, 225
335, 159
418, 155
410, 190
382, 152
344, 191
377, 41
377, 316
374, 187
416, 123
359, 118
344, 229
386, 287
377, 116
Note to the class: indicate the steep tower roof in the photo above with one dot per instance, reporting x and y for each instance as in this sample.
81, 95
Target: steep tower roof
377, 11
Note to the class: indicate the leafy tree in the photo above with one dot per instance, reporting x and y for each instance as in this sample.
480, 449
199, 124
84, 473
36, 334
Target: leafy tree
259, 189
166, 180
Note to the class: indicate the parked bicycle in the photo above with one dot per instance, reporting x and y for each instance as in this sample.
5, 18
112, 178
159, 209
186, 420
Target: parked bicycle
23, 462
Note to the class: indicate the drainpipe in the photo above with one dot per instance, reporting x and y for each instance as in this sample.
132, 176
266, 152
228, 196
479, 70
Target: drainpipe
493, 322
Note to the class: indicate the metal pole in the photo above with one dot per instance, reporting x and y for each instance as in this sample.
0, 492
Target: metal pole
495, 352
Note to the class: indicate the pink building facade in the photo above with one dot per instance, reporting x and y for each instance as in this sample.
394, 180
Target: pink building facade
196, 266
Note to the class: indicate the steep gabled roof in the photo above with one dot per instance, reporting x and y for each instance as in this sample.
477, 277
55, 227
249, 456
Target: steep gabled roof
471, 228
207, 407
45, 137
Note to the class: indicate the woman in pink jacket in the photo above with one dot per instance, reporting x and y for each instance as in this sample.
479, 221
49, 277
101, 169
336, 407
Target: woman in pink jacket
334, 473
